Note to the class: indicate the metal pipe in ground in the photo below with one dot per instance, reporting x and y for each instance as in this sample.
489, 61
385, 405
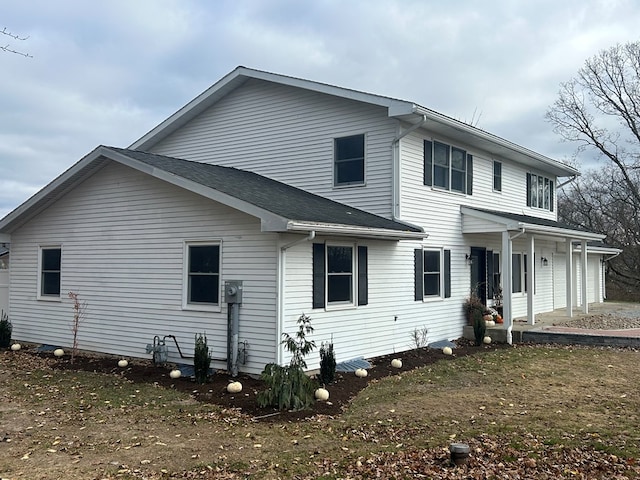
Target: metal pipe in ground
459, 453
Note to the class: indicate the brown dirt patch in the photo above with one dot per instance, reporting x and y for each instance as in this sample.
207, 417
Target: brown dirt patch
345, 387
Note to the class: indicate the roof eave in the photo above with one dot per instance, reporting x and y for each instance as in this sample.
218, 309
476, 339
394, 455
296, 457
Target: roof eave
560, 232
555, 167
354, 231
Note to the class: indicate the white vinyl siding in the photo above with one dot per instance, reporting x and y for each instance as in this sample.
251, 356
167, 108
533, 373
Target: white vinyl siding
288, 134
123, 234
383, 325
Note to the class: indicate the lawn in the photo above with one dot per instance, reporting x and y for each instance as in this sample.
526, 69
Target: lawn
532, 411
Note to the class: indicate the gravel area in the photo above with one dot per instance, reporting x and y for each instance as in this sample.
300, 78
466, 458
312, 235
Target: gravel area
603, 321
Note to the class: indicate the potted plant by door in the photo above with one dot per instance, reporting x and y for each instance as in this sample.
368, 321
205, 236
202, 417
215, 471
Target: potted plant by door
5, 330
473, 307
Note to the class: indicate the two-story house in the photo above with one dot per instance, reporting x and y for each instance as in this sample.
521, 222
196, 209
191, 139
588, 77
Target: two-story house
269, 196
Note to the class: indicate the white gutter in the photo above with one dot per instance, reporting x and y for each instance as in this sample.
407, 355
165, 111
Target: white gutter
353, 231
281, 287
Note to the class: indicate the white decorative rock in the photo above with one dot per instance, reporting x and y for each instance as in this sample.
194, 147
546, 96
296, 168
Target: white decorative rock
58, 352
361, 372
175, 374
123, 363
322, 394
396, 363
15, 347
447, 351
234, 387
487, 340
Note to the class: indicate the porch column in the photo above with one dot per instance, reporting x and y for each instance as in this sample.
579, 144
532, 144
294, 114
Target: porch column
583, 258
569, 275
506, 283
531, 317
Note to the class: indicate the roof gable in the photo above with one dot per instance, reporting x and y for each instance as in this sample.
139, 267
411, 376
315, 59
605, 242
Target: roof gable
280, 207
407, 111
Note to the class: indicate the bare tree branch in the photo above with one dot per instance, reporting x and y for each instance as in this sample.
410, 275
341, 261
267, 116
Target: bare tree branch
599, 110
7, 48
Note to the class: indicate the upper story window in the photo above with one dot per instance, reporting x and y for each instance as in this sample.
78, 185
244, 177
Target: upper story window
539, 192
497, 176
202, 286
349, 160
50, 270
447, 167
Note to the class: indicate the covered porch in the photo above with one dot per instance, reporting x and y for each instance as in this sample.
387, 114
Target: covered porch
550, 259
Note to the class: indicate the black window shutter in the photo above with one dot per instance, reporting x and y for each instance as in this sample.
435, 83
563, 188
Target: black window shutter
428, 163
528, 189
363, 288
469, 174
447, 273
551, 195
318, 275
419, 274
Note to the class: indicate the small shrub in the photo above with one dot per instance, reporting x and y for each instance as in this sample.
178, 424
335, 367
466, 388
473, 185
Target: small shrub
79, 310
479, 327
289, 388
327, 363
201, 359
419, 337
6, 328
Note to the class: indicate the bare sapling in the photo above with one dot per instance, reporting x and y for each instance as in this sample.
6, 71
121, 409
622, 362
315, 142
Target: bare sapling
79, 310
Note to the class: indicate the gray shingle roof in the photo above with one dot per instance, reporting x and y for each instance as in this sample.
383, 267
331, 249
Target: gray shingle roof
270, 195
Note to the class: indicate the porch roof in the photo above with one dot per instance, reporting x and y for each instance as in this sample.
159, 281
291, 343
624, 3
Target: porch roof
480, 220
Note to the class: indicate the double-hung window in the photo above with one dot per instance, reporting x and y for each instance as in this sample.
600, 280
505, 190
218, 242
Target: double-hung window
50, 269
540, 192
339, 275
448, 167
349, 160
202, 286
432, 273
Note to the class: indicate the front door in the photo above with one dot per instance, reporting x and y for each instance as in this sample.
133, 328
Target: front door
479, 272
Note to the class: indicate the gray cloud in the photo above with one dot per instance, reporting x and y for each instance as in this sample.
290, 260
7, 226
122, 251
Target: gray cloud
107, 72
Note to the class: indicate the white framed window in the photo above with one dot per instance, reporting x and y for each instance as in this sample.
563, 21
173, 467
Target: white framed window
202, 266
448, 167
49, 272
340, 274
540, 192
349, 160
432, 273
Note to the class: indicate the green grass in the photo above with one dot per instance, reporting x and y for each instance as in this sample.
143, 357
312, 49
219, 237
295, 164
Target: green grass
512, 403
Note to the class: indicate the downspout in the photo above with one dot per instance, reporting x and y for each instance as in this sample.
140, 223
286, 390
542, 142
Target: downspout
281, 299
510, 273
395, 174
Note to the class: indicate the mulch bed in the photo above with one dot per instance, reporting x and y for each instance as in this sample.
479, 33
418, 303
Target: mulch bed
345, 387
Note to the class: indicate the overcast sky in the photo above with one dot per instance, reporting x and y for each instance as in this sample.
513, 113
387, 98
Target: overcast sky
107, 72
